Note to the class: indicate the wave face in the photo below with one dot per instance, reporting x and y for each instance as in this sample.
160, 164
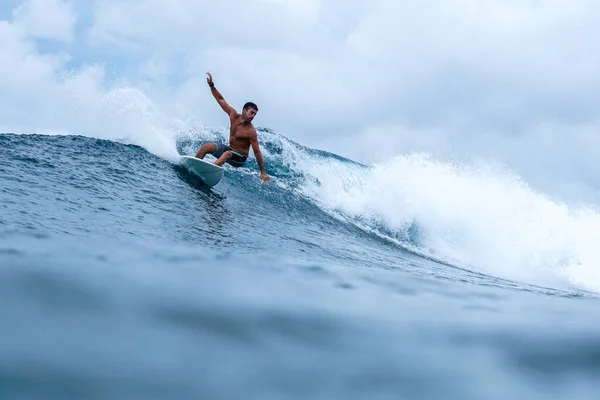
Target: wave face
475, 217
123, 276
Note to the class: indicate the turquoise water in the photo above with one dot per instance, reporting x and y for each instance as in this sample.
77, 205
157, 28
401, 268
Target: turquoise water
122, 276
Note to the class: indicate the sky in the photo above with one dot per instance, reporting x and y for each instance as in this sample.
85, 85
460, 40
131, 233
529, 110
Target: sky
515, 81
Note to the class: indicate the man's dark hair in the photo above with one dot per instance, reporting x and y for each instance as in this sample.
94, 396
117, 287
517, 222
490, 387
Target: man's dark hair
250, 105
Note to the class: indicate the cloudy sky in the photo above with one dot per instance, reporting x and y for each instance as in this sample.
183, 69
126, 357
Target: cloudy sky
512, 81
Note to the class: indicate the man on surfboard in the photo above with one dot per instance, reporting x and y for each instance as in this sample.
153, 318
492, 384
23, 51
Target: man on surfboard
242, 135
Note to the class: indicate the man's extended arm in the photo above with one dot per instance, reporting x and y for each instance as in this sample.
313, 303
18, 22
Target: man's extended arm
218, 96
259, 158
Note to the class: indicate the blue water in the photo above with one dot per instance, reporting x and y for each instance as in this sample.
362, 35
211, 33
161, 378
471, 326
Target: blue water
122, 276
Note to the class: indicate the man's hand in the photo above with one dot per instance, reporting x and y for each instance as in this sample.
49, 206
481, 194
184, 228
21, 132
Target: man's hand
218, 96
265, 178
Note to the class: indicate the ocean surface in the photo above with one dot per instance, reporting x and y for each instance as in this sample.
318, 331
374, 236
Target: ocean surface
123, 277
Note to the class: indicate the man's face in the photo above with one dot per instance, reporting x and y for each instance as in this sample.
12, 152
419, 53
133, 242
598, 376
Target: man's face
249, 114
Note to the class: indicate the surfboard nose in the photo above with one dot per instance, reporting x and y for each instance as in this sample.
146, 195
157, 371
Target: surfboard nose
209, 173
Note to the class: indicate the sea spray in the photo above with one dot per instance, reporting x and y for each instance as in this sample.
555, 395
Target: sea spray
478, 217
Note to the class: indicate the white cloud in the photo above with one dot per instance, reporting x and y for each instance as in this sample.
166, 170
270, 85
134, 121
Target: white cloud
47, 19
182, 26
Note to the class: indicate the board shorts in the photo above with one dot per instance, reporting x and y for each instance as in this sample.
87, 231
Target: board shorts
236, 160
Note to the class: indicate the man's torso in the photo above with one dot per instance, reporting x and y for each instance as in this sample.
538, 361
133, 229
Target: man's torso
240, 135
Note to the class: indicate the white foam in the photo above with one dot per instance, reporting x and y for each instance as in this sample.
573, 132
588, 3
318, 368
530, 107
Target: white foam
127, 115
80, 105
479, 217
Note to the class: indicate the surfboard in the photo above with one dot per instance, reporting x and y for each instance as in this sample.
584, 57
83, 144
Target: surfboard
208, 172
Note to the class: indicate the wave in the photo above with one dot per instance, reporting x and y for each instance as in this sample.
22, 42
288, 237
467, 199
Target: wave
473, 216
480, 217
477, 216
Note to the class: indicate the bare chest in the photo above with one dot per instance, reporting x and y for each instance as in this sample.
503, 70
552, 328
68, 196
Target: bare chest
240, 131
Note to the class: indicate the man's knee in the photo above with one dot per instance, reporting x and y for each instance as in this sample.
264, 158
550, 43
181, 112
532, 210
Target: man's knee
205, 149
210, 147
224, 157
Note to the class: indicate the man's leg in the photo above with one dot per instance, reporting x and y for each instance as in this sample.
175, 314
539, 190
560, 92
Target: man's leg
223, 159
207, 148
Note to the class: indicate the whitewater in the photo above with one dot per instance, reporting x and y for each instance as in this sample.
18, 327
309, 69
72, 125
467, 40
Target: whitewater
122, 276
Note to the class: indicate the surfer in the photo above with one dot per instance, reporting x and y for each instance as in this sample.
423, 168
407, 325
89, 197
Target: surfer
242, 135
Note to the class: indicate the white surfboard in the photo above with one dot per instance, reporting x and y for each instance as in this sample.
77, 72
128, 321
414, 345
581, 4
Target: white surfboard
208, 172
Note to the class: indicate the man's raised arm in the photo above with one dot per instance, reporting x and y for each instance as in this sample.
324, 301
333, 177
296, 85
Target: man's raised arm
218, 96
